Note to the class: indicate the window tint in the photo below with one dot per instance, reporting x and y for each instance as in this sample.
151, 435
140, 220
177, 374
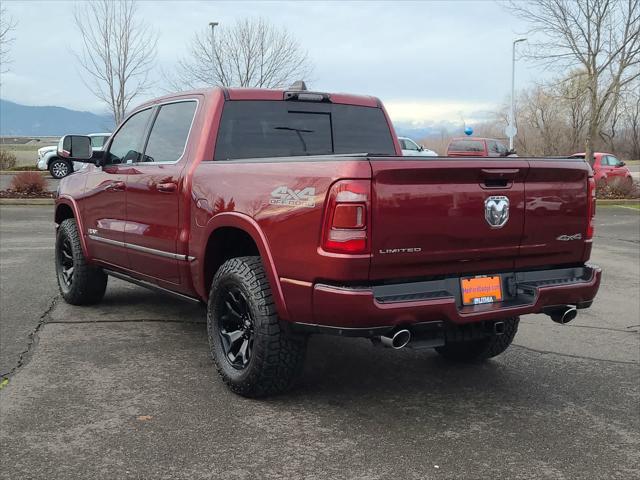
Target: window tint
98, 142
127, 143
410, 145
466, 146
257, 129
496, 148
169, 132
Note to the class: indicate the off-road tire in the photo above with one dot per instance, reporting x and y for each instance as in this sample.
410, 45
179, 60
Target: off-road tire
277, 355
480, 350
56, 170
88, 282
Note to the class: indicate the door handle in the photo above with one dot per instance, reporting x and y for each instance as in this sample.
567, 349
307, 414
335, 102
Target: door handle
166, 187
115, 187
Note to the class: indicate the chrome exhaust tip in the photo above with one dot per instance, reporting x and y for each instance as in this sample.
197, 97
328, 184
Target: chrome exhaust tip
398, 340
565, 315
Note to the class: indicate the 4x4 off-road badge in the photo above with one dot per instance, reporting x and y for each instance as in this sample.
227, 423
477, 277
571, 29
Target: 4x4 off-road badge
305, 197
496, 211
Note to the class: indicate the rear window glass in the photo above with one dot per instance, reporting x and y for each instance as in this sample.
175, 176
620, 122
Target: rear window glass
258, 129
466, 146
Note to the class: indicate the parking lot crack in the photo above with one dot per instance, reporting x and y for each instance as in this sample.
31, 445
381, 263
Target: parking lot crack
32, 340
136, 320
581, 357
628, 329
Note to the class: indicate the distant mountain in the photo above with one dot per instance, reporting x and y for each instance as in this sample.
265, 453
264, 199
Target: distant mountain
24, 120
420, 132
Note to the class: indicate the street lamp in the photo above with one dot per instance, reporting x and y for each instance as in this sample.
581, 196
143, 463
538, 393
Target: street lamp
213, 52
511, 129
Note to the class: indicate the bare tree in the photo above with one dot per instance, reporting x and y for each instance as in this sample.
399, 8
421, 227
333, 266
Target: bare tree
117, 53
631, 121
602, 37
250, 53
7, 25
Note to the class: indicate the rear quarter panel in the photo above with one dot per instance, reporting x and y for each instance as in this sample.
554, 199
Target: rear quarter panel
292, 232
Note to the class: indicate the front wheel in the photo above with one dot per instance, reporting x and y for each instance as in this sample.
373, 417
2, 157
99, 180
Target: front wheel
60, 168
253, 352
479, 350
80, 283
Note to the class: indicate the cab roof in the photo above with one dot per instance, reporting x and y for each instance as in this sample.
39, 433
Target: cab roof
268, 94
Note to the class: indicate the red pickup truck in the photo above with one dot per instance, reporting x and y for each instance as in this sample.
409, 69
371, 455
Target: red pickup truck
293, 212
476, 147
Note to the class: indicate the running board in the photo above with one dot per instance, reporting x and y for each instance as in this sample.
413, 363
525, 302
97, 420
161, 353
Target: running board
150, 286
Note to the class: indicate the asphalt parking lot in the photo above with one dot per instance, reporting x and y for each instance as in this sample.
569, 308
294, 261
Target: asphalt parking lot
126, 389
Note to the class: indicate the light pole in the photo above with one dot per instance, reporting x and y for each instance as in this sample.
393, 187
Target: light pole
511, 128
213, 53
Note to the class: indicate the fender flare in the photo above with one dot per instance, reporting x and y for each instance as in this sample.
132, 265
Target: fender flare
248, 225
71, 203
51, 158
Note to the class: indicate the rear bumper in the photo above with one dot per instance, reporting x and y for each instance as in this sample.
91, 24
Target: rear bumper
381, 307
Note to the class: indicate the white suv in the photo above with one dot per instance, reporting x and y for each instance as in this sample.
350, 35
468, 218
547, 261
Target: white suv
412, 149
61, 167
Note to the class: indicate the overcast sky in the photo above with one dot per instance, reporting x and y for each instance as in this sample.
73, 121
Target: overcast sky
428, 61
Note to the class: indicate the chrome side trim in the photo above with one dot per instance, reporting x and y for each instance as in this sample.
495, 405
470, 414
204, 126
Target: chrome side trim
140, 248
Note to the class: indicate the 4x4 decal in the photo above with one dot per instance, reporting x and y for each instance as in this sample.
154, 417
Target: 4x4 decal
305, 197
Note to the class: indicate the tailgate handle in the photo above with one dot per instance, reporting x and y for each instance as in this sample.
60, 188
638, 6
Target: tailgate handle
498, 178
500, 173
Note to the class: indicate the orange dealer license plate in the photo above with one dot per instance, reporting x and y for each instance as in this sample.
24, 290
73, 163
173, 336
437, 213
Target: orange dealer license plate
479, 290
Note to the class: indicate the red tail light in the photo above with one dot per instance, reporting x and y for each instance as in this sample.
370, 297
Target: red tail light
591, 206
346, 221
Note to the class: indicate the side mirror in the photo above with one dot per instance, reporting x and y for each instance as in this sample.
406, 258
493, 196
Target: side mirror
621, 164
420, 148
76, 148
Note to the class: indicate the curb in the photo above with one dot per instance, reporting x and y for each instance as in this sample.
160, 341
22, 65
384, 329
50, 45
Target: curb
44, 173
622, 201
26, 201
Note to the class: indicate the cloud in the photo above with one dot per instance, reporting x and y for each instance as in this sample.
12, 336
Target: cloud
429, 61
426, 112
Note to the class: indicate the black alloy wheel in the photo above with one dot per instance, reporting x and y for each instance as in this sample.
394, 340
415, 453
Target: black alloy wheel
65, 262
236, 326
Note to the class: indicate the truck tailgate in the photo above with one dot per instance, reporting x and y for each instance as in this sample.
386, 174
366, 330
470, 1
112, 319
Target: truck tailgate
428, 216
556, 213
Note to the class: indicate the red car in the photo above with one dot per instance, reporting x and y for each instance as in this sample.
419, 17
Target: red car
607, 169
476, 147
293, 212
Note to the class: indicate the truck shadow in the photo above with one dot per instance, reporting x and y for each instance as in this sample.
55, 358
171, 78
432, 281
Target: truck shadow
353, 374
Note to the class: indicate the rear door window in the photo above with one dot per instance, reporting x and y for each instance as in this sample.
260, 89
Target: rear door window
258, 129
169, 133
470, 146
